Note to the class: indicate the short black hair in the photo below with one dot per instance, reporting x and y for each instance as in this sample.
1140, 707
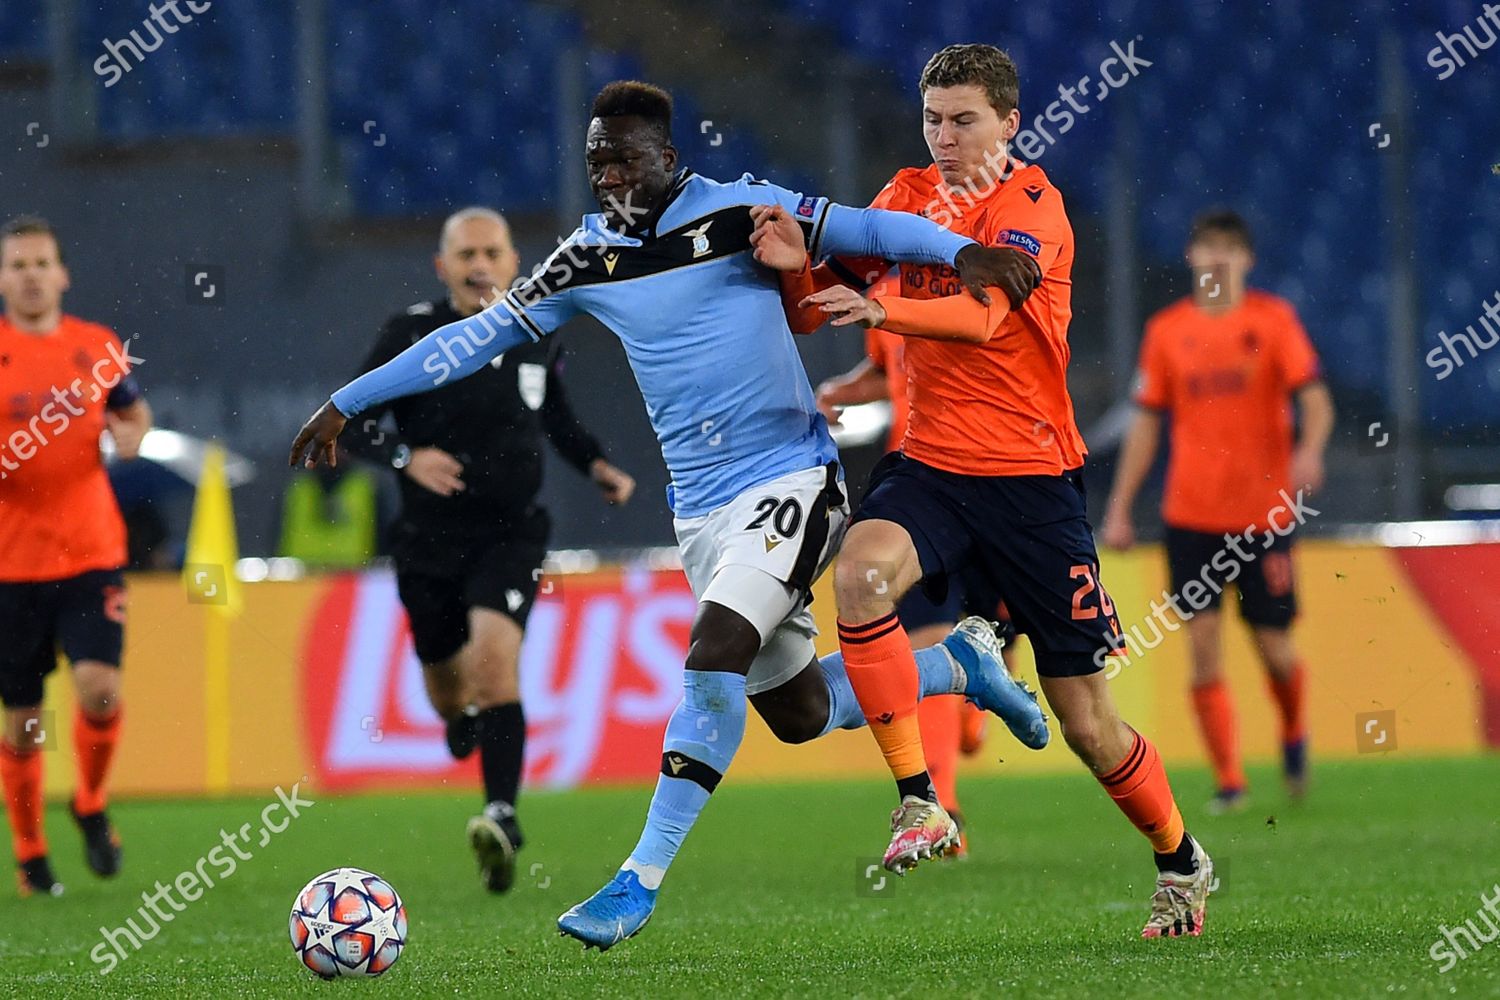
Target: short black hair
632, 97
1221, 220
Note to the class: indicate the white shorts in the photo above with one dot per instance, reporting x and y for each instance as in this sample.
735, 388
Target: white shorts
759, 554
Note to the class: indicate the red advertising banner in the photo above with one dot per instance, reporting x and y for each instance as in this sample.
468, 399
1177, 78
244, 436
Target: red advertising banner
601, 671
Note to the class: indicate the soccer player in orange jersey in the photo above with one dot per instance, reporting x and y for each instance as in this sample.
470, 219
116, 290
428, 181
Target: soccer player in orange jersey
950, 725
63, 381
1224, 363
989, 474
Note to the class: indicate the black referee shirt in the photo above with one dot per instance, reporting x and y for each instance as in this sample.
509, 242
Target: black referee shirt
493, 422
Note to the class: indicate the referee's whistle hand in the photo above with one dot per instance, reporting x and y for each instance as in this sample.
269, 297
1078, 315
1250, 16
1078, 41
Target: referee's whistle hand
318, 438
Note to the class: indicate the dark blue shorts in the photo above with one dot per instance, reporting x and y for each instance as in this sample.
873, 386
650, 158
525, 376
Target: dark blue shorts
1262, 578
1027, 538
968, 594
82, 616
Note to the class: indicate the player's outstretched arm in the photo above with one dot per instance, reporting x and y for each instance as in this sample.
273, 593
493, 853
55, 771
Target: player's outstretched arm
445, 355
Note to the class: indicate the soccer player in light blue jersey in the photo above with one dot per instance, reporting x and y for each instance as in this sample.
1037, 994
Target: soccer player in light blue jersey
757, 497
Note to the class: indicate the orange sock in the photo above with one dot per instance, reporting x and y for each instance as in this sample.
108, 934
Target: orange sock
883, 673
972, 722
93, 747
1139, 786
1289, 698
21, 773
1215, 711
939, 719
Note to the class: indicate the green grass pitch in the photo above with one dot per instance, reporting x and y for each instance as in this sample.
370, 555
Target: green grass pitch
1340, 897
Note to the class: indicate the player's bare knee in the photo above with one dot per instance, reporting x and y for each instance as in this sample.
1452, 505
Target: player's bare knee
1095, 741
490, 670
1082, 737
862, 590
494, 682
1211, 672
792, 723
1277, 654
22, 728
717, 650
97, 689
445, 689
722, 639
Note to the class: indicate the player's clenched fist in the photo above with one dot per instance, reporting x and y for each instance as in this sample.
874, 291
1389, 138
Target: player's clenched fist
321, 432
777, 239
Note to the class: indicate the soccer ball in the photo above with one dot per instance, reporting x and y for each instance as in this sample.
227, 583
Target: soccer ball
348, 922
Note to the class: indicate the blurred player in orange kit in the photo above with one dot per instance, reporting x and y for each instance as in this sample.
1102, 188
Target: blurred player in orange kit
950, 725
63, 381
989, 475
1224, 363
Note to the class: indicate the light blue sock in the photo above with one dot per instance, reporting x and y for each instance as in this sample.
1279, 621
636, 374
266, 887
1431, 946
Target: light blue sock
937, 671
702, 737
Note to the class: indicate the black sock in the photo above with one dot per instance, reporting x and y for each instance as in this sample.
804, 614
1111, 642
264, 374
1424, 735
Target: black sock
502, 743
919, 785
1180, 861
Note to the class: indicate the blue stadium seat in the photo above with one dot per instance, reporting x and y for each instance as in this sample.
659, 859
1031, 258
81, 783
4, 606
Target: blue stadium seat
23, 31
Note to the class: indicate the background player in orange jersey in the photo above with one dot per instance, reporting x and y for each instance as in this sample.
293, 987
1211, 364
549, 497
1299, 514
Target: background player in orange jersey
989, 474
1224, 363
62, 542
949, 724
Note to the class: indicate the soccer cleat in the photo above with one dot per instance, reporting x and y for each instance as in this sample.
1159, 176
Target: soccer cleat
612, 914
34, 878
975, 646
1227, 801
496, 837
922, 829
1294, 768
462, 732
101, 845
1180, 901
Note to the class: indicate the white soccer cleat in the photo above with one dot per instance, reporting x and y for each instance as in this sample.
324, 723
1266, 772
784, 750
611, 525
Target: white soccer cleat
1180, 902
922, 830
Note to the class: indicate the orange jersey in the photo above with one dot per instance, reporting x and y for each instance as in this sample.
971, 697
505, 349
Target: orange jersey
1226, 380
1000, 408
58, 515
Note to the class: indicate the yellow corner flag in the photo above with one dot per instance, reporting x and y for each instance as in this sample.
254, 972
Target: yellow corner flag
208, 577
212, 549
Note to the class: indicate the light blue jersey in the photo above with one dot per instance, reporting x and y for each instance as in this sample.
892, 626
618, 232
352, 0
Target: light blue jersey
701, 322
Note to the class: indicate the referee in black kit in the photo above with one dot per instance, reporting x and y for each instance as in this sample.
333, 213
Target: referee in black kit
470, 539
